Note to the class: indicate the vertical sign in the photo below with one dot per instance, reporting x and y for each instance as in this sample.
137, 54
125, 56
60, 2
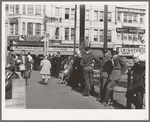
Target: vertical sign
75, 28
82, 27
105, 25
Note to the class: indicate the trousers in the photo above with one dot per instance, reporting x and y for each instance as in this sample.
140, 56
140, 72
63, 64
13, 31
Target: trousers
89, 81
135, 96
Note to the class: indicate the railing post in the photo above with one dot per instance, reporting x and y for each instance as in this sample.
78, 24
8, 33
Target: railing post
128, 105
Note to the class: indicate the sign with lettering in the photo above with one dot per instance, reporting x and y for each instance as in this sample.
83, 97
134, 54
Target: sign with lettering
62, 49
121, 9
130, 51
130, 30
28, 48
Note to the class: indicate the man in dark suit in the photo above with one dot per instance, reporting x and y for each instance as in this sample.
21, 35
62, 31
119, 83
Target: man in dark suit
136, 89
119, 68
106, 69
58, 64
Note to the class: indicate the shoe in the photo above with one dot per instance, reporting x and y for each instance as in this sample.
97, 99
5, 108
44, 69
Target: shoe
107, 104
87, 97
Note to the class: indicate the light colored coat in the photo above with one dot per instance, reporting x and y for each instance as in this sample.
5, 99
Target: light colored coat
46, 66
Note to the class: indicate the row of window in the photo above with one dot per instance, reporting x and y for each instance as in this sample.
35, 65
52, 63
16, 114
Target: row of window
98, 15
130, 36
130, 18
69, 32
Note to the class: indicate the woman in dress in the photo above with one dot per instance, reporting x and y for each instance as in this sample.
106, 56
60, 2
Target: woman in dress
45, 70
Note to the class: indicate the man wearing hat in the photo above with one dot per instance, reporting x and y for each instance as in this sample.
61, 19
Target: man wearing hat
119, 68
136, 90
106, 69
86, 63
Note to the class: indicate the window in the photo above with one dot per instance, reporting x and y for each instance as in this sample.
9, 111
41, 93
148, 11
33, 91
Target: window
16, 29
11, 29
30, 29
135, 18
37, 9
101, 35
119, 17
23, 28
7, 7
109, 16
130, 36
119, 36
66, 33
87, 34
140, 36
101, 16
57, 33
130, 18
95, 35
44, 10
57, 11
72, 34
134, 37
87, 15
66, 13
24, 9
95, 15
124, 36
109, 35
125, 17
141, 18
30, 9
38, 29
72, 13
17, 9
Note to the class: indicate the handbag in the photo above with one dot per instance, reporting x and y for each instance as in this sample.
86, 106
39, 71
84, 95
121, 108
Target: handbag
22, 67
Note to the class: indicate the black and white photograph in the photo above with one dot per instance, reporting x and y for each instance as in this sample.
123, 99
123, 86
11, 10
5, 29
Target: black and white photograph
75, 60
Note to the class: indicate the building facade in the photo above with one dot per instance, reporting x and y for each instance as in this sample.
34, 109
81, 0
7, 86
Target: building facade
27, 22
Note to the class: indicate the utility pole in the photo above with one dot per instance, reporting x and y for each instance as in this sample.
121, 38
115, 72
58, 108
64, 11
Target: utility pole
75, 21
82, 28
105, 25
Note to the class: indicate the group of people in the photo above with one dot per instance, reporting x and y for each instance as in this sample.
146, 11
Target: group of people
78, 73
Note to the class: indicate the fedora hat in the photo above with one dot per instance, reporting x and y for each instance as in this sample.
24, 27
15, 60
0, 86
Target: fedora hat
115, 50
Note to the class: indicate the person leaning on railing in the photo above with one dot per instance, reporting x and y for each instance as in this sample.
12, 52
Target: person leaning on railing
136, 89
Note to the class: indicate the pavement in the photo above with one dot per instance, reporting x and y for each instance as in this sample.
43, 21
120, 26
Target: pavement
60, 96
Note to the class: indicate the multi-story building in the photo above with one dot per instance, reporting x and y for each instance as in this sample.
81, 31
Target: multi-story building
27, 23
130, 30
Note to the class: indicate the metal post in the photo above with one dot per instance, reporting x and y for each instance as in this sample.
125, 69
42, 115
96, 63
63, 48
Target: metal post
75, 29
128, 105
105, 25
82, 28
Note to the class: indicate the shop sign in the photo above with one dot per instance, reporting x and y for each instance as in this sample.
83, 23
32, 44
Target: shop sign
130, 51
32, 38
28, 48
101, 45
129, 30
15, 38
130, 10
62, 49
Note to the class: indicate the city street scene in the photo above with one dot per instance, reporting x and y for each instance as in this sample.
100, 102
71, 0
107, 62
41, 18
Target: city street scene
76, 55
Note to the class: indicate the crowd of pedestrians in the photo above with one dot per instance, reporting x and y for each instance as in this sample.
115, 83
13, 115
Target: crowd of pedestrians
77, 72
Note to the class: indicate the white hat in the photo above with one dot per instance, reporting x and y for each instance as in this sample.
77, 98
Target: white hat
142, 57
136, 54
